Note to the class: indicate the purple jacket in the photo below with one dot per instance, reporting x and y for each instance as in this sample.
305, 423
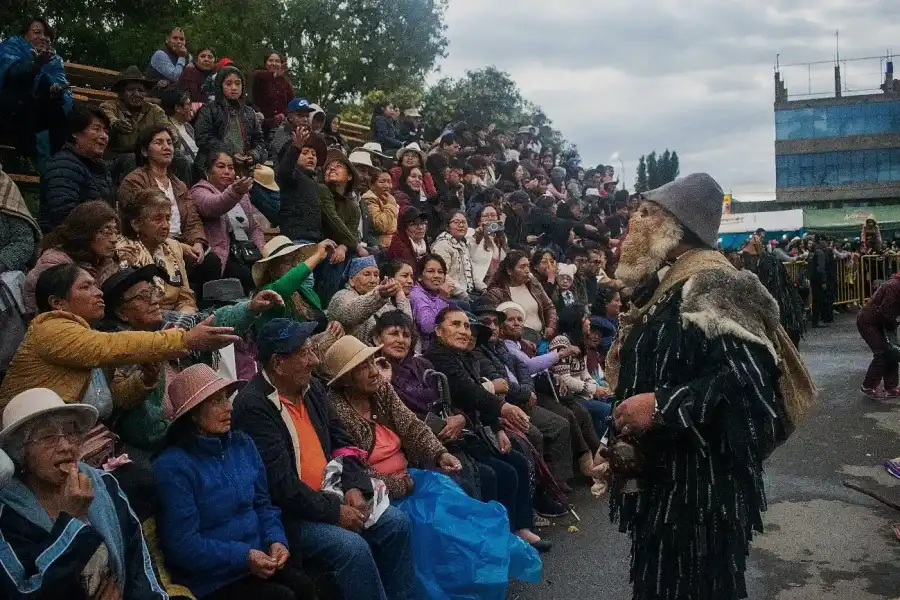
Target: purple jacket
425, 307
213, 207
407, 377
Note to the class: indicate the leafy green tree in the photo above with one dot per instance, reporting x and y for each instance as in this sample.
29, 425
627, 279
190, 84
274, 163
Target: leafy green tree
480, 98
674, 167
339, 51
641, 182
652, 171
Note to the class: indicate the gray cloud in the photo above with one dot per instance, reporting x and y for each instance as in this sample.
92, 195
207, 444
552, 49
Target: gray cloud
693, 75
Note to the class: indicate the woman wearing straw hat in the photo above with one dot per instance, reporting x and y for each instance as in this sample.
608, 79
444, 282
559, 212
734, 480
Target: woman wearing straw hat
376, 418
378, 422
66, 529
220, 534
287, 268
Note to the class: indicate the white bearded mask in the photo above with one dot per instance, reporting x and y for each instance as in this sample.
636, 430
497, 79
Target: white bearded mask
653, 233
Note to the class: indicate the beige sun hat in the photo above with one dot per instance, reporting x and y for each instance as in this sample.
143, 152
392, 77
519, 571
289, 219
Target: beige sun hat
278, 246
194, 385
345, 355
361, 158
265, 176
37, 402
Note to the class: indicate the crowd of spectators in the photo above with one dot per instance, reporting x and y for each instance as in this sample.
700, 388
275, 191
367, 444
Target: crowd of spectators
232, 328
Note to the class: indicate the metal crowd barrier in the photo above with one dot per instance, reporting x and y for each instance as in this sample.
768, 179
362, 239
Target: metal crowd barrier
857, 278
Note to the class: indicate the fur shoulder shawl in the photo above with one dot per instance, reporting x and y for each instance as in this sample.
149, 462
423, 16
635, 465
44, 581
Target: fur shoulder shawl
728, 302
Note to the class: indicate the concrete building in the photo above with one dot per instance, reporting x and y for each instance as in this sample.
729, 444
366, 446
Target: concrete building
840, 150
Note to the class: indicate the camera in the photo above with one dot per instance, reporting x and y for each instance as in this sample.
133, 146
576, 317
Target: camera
493, 226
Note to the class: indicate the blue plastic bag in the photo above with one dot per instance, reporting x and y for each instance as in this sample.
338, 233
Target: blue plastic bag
463, 548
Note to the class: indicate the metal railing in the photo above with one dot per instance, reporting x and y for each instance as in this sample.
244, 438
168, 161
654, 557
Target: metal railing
857, 277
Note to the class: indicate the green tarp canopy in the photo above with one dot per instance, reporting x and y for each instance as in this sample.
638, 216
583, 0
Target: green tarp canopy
849, 221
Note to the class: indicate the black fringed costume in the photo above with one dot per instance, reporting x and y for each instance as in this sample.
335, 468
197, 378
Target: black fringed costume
776, 280
692, 511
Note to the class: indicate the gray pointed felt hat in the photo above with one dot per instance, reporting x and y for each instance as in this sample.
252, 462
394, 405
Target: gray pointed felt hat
696, 201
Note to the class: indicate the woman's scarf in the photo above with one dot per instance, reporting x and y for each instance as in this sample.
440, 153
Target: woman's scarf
102, 515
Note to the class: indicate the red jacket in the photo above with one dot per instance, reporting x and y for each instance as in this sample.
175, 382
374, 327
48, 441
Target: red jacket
271, 96
883, 308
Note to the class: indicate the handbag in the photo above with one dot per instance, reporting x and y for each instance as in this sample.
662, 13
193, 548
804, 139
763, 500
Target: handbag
244, 252
99, 446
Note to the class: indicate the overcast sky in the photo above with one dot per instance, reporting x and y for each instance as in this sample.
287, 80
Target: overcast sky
692, 75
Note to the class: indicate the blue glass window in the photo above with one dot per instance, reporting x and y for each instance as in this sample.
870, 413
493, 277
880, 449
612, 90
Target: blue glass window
837, 121
837, 168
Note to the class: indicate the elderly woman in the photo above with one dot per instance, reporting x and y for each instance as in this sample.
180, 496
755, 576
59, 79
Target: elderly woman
146, 240
157, 149
429, 296
514, 282
272, 91
382, 208
451, 245
409, 243
66, 529
395, 333
508, 475
218, 530
487, 246
365, 297
87, 237
223, 201
132, 304
63, 353
77, 173
377, 420
228, 124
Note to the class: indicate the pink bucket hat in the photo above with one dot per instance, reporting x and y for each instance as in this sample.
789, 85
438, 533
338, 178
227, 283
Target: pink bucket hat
194, 385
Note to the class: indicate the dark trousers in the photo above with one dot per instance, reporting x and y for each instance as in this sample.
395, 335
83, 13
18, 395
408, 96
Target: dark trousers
883, 367
287, 584
506, 479
553, 440
209, 270
25, 116
236, 270
581, 425
820, 307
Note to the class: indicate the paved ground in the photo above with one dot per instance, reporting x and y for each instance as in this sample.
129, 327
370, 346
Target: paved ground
822, 541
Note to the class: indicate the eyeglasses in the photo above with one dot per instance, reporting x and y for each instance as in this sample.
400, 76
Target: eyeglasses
51, 439
147, 296
109, 231
459, 222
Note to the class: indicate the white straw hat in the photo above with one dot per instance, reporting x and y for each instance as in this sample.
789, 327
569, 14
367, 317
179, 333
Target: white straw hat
37, 402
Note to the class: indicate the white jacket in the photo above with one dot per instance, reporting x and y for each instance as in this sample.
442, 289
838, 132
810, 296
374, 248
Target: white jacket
481, 260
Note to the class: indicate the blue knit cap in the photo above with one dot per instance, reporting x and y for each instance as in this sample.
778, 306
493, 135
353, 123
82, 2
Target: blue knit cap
358, 264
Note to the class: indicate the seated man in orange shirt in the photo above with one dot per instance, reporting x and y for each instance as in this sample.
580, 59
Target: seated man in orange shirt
286, 412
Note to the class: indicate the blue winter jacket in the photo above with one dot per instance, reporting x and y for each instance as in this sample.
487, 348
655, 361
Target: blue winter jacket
214, 509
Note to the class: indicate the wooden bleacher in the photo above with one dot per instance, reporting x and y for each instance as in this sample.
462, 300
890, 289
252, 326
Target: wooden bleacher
92, 85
